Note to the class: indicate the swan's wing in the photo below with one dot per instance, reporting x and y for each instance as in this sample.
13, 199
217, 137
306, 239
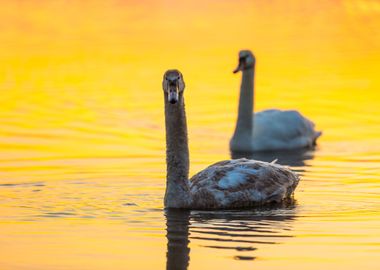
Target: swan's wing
276, 129
241, 183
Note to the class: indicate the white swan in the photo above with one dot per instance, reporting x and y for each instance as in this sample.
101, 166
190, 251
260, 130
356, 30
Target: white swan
269, 129
226, 184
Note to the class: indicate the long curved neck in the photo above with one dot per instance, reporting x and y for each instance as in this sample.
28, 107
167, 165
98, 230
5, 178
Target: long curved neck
177, 193
243, 132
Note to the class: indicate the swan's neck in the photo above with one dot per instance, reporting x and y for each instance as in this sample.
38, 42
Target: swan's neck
242, 138
177, 193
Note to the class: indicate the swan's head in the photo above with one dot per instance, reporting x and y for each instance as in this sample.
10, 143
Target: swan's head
246, 60
173, 85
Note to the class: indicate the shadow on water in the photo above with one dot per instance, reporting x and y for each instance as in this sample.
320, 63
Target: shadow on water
239, 232
295, 158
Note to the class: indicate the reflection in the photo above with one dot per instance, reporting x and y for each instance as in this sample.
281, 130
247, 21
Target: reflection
295, 158
238, 232
177, 233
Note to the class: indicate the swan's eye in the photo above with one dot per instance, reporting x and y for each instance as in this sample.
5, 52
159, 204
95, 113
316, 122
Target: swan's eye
179, 77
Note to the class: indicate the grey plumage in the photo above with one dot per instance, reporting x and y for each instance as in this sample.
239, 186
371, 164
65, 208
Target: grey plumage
226, 184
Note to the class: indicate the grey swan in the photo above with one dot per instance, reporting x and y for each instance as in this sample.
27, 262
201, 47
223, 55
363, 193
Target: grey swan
268, 130
238, 183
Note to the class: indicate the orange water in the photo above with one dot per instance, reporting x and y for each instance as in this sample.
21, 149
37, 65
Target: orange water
82, 166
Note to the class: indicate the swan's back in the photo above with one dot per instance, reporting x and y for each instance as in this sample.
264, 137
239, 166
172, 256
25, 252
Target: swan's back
277, 129
241, 183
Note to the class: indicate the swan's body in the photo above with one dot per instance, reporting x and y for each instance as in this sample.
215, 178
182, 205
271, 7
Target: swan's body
226, 184
241, 183
282, 130
271, 129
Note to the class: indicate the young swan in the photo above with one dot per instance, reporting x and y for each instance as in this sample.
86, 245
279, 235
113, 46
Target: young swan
227, 184
267, 130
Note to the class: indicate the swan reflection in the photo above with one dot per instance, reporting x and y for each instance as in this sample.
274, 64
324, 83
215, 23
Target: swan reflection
177, 233
240, 231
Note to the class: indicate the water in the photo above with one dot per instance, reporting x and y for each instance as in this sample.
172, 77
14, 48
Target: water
82, 161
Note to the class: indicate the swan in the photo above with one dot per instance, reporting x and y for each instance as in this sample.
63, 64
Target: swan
267, 130
227, 184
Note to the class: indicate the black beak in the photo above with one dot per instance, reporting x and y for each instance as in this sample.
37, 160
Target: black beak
172, 101
240, 66
173, 94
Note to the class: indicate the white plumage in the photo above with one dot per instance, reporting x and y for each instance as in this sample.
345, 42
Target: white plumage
270, 129
276, 129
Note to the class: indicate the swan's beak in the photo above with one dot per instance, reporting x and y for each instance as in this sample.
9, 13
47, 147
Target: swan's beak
173, 95
240, 66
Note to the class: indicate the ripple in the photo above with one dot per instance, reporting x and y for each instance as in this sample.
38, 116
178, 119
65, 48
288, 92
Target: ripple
31, 184
234, 248
244, 258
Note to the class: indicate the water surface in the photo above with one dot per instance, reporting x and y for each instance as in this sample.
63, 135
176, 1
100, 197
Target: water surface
82, 161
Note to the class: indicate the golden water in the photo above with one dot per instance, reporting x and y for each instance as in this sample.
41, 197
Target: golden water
82, 164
